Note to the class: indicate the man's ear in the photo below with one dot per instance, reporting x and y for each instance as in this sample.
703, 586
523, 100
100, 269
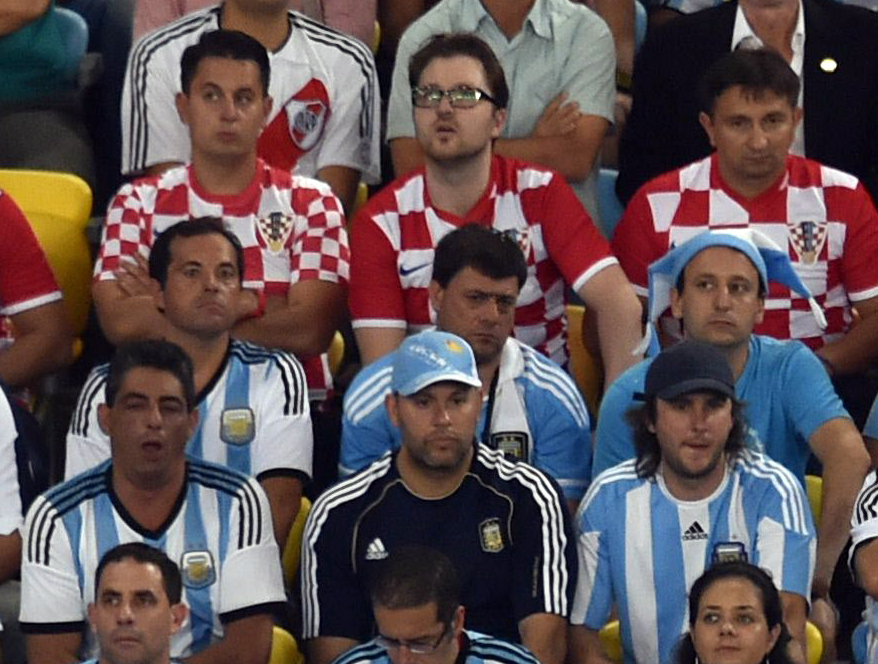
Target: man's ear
707, 125
181, 101
91, 612
676, 304
392, 408
179, 613
267, 105
436, 293
500, 116
104, 418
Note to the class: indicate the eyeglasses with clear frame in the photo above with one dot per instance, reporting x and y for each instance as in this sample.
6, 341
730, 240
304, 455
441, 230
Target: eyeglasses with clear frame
414, 647
461, 96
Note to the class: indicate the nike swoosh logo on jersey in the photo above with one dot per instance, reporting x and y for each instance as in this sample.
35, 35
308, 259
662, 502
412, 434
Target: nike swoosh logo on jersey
406, 271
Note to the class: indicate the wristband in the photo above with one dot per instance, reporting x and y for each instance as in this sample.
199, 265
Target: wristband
623, 81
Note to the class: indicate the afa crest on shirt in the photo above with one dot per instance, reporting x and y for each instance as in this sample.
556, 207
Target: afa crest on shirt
491, 535
511, 443
274, 230
197, 569
307, 118
237, 426
807, 238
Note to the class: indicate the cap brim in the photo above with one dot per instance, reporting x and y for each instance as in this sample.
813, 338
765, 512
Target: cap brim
440, 376
696, 385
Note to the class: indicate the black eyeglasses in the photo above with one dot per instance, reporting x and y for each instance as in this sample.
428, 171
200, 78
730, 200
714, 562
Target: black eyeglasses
460, 97
415, 647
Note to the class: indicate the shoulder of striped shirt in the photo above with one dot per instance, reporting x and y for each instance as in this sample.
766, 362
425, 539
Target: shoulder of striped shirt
541, 371
490, 649
353, 487
867, 499
250, 353
613, 477
176, 29
360, 399
330, 36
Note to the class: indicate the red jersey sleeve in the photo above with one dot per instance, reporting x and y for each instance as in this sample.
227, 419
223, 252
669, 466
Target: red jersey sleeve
634, 242
855, 208
320, 249
26, 280
573, 241
376, 294
126, 232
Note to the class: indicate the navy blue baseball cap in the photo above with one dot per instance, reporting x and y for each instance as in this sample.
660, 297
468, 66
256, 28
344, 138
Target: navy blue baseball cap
689, 366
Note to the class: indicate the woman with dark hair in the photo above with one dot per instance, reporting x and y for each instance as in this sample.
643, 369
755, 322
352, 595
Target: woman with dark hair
735, 617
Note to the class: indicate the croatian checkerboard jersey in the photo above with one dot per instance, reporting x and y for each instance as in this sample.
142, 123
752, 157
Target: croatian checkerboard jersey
822, 216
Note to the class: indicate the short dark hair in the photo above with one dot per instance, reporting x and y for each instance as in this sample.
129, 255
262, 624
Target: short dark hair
494, 254
771, 607
646, 445
448, 45
232, 44
756, 71
415, 575
160, 254
146, 555
155, 354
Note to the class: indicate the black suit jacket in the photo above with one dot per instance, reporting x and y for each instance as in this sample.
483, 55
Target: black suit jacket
840, 107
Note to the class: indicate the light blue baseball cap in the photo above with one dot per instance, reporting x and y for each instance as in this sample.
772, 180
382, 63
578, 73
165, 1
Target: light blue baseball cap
432, 357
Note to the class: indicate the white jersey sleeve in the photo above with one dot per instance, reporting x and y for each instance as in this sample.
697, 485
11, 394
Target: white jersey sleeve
251, 572
10, 499
152, 132
87, 444
285, 439
51, 595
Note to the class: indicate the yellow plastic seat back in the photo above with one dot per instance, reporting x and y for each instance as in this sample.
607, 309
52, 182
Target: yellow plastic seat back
814, 487
284, 649
58, 206
611, 641
293, 547
586, 369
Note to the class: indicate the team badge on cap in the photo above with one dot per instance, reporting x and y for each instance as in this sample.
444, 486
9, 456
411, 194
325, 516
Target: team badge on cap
237, 426
511, 443
197, 569
492, 536
808, 238
274, 230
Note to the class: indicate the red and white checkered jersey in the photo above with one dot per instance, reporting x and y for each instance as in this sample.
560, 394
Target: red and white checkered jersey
323, 83
824, 217
26, 280
395, 233
292, 229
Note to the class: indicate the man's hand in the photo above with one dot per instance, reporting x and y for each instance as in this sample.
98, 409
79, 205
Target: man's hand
133, 278
559, 118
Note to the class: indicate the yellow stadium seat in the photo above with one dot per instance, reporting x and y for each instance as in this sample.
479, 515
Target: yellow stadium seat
284, 649
612, 641
293, 547
376, 38
58, 206
814, 641
585, 368
814, 486
336, 353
